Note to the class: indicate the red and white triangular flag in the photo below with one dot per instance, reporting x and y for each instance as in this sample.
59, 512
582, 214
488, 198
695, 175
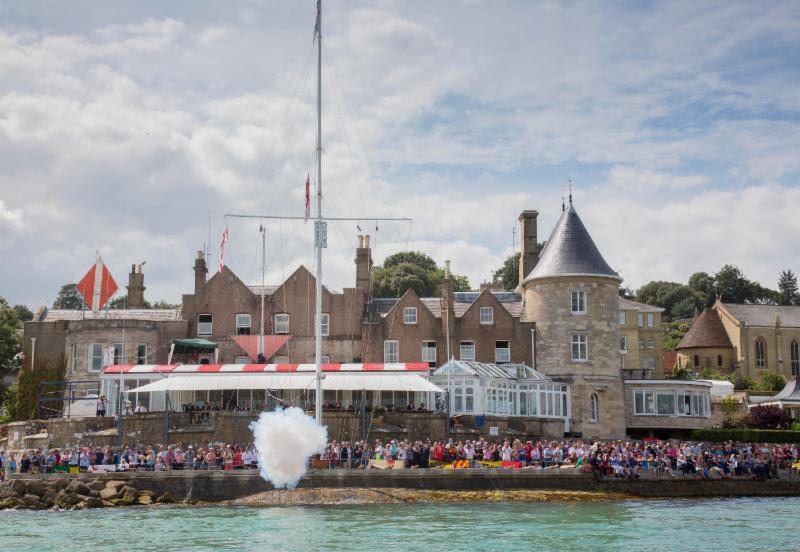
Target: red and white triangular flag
97, 286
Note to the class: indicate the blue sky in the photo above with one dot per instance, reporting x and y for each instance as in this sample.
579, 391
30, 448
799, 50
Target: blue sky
122, 124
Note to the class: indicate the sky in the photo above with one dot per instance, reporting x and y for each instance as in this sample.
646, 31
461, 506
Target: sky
132, 128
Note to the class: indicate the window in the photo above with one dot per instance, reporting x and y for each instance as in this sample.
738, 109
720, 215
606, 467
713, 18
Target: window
487, 315
429, 353
205, 324
593, 408
282, 323
650, 319
466, 350
644, 362
665, 403
671, 403
325, 324
502, 351
644, 402
578, 303
73, 359
697, 361
623, 343
641, 343
391, 351
95, 357
761, 353
621, 318
719, 361
579, 351
652, 362
410, 315
651, 343
119, 354
243, 324
794, 354
640, 319
141, 353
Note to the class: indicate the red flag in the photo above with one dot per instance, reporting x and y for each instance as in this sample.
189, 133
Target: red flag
97, 286
308, 196
222, 243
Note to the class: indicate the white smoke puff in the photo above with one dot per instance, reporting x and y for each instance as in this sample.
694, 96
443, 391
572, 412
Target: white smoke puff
285, 439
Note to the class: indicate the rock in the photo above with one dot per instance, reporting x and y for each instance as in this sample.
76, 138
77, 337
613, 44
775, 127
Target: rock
49, 497
108, 504
89, 502
59, 483
115, 484
37, 488
20, 487
124, 501
108, 493
12, 502
65, 499
144, 500
32, 502
78, 487
128, 492
166, 498
94, 494
147, 492
96, 485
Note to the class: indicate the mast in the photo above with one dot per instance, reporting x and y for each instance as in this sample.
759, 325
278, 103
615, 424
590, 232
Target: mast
319, 227
263, 283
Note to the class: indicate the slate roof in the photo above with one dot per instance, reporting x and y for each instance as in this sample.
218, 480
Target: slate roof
707, 331
52, 315
512, 302
627, 304
570, 251
764, 315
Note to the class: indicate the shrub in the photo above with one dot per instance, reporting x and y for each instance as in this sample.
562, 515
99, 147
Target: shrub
746, 435
735, 422
768, 417
681, 374
772, 381
743, 383
8, 406
709, 373
729, 404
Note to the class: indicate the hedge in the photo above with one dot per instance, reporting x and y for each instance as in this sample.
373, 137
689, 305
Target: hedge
747, 435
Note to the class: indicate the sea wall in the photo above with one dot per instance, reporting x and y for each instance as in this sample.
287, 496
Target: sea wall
225, 485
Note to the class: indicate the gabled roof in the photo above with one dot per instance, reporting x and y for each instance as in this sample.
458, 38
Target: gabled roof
379, 307
707, 331
764, 315
570, 251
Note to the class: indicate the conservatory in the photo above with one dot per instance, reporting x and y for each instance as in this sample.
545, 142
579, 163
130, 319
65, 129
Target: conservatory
478, 388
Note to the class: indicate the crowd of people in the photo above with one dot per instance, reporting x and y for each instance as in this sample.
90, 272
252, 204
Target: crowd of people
630, 459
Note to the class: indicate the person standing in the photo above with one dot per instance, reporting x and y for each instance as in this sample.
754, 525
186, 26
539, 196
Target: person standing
102, 406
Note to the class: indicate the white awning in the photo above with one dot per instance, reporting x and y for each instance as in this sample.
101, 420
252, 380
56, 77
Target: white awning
332, 382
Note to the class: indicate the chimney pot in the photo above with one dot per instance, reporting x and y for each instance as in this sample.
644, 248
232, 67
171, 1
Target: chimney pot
360, 241
447, 269
366, 241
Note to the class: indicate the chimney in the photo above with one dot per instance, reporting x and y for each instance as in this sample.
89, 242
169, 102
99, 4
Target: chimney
200, 271
529, 245
449, 314
363, 264
136, 287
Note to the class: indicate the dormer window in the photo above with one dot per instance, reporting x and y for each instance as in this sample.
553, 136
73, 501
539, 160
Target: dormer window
410, 315
487, 315
578, 305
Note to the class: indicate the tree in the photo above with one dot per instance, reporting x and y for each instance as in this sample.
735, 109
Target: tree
162, 304
508, 274
703, 283
787, 289
772, 381
627, 293
10, 339
767, 417
732, 286
669, 295
412, 270
23, 313
68, 298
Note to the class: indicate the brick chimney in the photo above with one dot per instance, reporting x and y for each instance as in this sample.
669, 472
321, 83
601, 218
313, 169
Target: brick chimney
529, 245
136, 287
363, 264
200, 271
449, 314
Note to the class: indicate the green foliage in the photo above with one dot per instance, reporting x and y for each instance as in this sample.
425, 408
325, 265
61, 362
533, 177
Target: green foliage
10, 338
627, 293
772, 381
712, 374
676, 299
23, 313
8, 405
68, 298
743, 383
787, 289
412, 270
673, 335
729, 404
746, 435
508, 274
680, 374
795, 426
732, 286
703, 284
162, 304
121, 302
28, 387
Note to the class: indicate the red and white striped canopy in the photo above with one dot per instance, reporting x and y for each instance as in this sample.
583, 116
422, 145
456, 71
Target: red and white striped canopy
242, 368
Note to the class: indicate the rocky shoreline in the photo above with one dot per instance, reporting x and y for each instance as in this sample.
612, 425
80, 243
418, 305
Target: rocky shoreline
75, 494
358, 496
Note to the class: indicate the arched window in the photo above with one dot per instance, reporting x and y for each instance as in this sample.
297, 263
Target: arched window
719, 361
761, 353
795, 356
593, 410
697, 361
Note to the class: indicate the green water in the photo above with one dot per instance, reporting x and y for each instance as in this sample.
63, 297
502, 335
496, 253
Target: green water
731, 524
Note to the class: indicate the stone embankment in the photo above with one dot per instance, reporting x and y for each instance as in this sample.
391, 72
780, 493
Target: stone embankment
75, 494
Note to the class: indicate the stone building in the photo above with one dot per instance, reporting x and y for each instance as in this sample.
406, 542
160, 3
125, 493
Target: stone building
640, 340
748, 340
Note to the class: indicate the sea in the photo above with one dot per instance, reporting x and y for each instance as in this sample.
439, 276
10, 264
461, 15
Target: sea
674, 525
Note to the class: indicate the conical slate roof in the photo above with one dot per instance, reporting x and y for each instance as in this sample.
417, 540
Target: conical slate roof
570, 251
707, 331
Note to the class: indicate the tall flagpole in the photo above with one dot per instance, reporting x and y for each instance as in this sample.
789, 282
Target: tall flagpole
319, 227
